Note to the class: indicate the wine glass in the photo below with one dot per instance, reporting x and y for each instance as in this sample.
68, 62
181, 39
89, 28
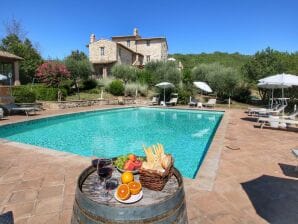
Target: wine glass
100, 163
105, 172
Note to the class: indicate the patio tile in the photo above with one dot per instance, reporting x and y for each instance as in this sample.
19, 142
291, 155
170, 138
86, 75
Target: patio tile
29, 184
68, 202
47, 206
50, 192
66, 216
20, 210
23, 196
45, 219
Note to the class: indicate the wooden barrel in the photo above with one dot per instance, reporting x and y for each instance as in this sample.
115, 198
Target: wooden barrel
169, 206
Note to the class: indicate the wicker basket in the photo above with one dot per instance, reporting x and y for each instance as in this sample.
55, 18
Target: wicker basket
154, 180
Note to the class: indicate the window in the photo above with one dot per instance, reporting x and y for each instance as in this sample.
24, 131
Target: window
148, 58
102, 51
148, 42
128, 43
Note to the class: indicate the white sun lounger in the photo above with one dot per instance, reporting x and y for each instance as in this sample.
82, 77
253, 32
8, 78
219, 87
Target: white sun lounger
210, 103
276, 122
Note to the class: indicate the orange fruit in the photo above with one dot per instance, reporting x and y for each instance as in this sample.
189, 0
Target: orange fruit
135, 187
127, 177
123, 192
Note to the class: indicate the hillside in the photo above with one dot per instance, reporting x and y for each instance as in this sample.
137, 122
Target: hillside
235, 60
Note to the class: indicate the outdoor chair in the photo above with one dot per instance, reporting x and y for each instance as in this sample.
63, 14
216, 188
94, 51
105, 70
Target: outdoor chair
295, 153
1, 113
291, 116
154, 100
210, 103
276, 122
193, 102
266, 112
15, 108
173, 101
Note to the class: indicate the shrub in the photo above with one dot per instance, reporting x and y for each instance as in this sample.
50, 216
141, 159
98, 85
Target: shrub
94, 91
48, 93
23, 94
52, 73
67, 85
116, 87
130, 89
105, 82
242, 94
89, 84
183, 96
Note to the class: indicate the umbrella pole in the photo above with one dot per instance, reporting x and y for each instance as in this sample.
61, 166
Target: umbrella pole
164, 96
272, 99
282, 95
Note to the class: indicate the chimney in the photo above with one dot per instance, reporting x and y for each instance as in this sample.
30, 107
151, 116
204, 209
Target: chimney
135, 32
92, 38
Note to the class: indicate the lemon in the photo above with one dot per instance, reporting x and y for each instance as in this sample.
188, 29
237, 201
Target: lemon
127, 177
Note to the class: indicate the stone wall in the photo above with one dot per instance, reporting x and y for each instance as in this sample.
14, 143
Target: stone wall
154, 50
124, 56
110, 51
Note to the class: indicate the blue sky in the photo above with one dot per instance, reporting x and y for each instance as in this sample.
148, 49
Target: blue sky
190, 26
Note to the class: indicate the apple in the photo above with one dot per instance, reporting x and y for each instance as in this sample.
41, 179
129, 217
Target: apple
129, 165
137, 164
132, 157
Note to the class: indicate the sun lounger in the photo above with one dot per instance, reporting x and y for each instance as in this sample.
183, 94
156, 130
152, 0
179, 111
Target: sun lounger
173, 101
276, 122
15, 108
295, 153
1, 113
154, 100
193, 102
291, 116
259, 112
210, 103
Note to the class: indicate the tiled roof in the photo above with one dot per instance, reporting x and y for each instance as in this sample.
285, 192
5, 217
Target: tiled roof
5, 54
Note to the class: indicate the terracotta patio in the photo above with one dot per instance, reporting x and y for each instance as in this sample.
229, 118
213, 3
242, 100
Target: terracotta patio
254, 183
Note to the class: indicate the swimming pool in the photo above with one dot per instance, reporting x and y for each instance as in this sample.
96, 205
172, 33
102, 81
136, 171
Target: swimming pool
186, 134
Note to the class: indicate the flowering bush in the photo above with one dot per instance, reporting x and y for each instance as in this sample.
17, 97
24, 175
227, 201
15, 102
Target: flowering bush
52, 73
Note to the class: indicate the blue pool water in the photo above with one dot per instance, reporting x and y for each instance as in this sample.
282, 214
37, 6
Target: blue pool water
186, 134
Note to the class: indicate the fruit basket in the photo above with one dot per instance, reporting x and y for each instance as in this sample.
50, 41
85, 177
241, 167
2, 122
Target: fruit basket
157, 170
128, 162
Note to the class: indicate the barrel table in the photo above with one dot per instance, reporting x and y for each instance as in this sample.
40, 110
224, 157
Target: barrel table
159, 207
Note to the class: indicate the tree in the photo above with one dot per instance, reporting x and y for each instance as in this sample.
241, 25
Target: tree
163, 72
78, 55
79, 67
264, 63
223, 80
52, 73
124, 72
32, 59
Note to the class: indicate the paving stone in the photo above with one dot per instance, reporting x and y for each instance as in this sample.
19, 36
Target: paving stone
23, 196
50, 192
47, 206
20, 210
45, 219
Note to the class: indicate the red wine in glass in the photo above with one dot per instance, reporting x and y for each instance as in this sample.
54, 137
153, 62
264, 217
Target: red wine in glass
104, 172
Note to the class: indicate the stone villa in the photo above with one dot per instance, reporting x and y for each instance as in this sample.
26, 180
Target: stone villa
131, 50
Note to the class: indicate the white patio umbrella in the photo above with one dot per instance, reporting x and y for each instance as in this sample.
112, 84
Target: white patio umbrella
203, 86
272, 86
165, 85
280, 81
3, 77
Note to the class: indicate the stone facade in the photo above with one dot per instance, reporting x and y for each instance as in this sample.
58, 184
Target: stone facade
130, 50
